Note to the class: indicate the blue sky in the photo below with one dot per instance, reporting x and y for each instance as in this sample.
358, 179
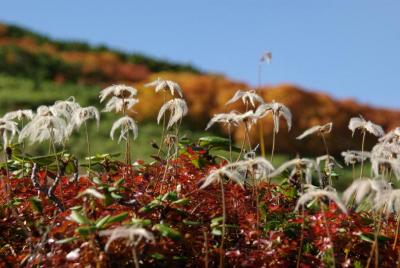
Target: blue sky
348, 48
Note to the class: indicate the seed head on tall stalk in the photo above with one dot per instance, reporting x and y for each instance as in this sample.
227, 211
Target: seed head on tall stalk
277, 110
80, 116
365, 126
177, 110
326, 173
218, 176
254, 170
8, 130
353, 157
165, 86
319, 130
266, 57
389, 203
248, 97
297, 165
23, 116
121, 100
365, 189
47, 124
229, 119
248, 119
127, 125
317, 196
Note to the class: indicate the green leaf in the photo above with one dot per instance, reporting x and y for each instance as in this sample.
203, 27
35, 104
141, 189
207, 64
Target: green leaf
79, 218
216, 232
366, 237
150, 206
119, 182
16, 201
167, 231
192, 223
97, 180
116, 196
181, 202
141, 222
216, 221
215, 142
117, 218
85, 230
66, 240
45, 160
36, 204
101, 222
170, 196
157, 256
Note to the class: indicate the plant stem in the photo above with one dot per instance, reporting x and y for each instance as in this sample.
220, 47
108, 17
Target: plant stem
301, 239
135, 258
222, 254
362, 153
325, 144
205, 249
321, 205
273, 145
163, 129
397, 231
230, 142
375, 245
261, 126
88, 149
7, 186
261, 136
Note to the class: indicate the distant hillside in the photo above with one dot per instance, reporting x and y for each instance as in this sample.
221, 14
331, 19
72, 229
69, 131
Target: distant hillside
29, 54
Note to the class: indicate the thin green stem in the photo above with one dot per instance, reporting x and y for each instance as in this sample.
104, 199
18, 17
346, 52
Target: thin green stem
301, 239
273, 145
397, 232
163, 129
321, 205
222, 253
362, 153
88, 149
230, 142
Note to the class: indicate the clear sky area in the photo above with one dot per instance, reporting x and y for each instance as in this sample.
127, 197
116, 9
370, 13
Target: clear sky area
348, 48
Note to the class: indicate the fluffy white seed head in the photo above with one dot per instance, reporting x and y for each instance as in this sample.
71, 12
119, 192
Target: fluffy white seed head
120, 91
365, 188
8, 130
249, 97
352, 157
177, 108
218, 175
298, 164
45, 125
364, 125
277, 109
231, 118
389, 202
318, 194
126, 124
19, 115
161, 84
327, 128
118, 105
81, 115
132, 234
